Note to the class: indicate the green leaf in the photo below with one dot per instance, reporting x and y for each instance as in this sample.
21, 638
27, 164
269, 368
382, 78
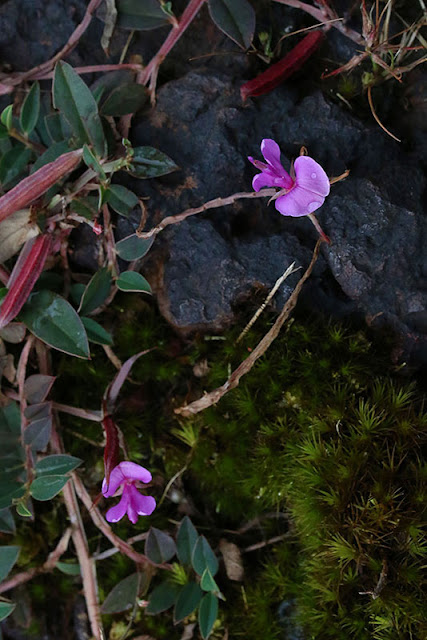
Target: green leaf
10, 418
6, 609
208, 612
55, 322
121, 199
162, 598
37, 434
187, 601
69, 568
6, 116
235, 18
207, 582
8, 557
203, 557
30, 109
148, 162
140, 15
13, 163
9, 494
133, 248
54, 128
123, 596
47, 487
186, 540
4, 134
96, 291
55, 150
92, 162
58, 464
75, 101
37, 387
7, 522
22, 510
133, 281
128, 98
76, 292
159, 547
96, 333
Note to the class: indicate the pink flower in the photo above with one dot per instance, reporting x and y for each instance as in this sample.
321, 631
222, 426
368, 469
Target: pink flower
132, 502
299, 195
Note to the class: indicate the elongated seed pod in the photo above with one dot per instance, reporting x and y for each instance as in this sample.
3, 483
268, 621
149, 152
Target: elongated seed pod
24, 278
278, 72
38, 183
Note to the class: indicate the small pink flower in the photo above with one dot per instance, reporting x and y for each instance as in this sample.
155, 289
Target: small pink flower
299, 195
132, 502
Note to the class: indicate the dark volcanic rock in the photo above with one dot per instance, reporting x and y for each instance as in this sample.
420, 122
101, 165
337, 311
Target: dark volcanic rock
375, 218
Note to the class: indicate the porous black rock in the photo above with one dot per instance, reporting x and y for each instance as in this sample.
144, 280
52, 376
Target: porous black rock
375, 265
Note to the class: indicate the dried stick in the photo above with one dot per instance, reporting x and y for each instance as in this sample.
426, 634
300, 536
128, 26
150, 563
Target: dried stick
259, 311
319, 15
214, 396
9, 82
21, 374
49, 565
211, 204
78, 534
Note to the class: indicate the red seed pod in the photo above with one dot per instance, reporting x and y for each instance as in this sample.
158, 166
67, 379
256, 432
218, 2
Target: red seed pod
111, 451
24, 276
289, 64
38, 183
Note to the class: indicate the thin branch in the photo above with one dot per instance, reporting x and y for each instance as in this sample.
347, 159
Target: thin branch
319, 15
9, 82
374, 113
211, 204
259, 311
49, 565
214, 396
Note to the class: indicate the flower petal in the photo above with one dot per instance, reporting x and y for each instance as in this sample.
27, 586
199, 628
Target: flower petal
271, 152
116, 513
262, 180
298, 202
116, 479
310, 176
133, 471
139, 505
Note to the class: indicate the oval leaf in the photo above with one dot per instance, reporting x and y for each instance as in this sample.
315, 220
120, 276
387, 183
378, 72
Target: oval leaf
186, 540
133, 248
37, 387
159, 547
30, 109
187, 601
123, 596
208, 612
140, 15
96, 333
57, 465
207, 582
148, 162
96, 291
121, 199
7, 523
8, 557
203, 557
235, 18
133, 281
6, 609
162, 598
69, 568
55, 322
75, 101
37, 434
47, 487
128, 98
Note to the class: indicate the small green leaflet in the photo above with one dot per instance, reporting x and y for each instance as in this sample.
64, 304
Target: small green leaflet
140, 14
96, 291
235, 18
96, 333
30, 109
8, 557
208, 612
133, 281
47, 487
133, 248
148, 162
57, 464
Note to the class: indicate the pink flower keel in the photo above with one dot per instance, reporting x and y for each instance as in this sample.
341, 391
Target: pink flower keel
132, 502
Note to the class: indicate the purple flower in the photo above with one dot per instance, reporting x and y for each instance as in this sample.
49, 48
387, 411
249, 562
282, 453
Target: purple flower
299, 195
132, 502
